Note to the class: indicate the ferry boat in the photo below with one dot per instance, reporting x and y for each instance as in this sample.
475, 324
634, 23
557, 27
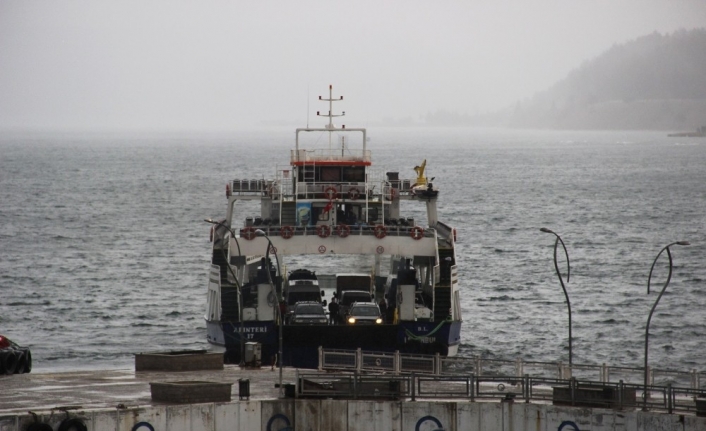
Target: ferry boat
329, 203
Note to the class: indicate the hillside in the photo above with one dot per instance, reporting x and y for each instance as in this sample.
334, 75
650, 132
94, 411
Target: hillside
654, 82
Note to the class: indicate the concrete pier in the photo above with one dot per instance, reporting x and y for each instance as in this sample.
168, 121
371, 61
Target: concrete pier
121, 400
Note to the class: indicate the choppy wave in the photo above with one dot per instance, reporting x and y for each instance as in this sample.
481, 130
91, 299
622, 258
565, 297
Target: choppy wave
105, 254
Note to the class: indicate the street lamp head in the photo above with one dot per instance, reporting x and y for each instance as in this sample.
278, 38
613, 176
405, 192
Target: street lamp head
208, 220
682, 243
260, 232
545, 230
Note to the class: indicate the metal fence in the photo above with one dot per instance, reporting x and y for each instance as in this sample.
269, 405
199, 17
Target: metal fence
398, 363
472, 387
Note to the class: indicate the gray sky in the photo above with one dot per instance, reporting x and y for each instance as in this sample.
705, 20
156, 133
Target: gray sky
167, 64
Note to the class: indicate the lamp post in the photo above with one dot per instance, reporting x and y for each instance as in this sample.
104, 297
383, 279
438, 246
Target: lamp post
237, 283
649, 318
561, 280
218, 223
260, 232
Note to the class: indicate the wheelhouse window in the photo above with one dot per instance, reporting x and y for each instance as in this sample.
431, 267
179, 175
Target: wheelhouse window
330, 174
355, 174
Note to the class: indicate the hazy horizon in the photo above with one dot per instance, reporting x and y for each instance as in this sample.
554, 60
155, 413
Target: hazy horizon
176, 65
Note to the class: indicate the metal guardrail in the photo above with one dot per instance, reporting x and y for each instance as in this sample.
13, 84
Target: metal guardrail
397, 363
569, 392
354, 230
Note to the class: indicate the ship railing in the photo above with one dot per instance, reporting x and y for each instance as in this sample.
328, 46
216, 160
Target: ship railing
619, 395
249, 186
345, 190
405, 363
357, 229
330, 155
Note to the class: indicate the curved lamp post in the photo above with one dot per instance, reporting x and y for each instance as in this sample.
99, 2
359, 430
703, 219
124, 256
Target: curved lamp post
561, 280
237, 283
649, 318
260, 232
218, 223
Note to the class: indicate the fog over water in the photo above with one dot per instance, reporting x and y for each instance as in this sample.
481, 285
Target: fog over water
165, 65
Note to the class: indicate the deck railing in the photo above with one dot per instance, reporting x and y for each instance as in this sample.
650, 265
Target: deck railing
398, 363
371, 375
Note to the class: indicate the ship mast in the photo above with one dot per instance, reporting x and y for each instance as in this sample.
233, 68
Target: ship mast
330, 127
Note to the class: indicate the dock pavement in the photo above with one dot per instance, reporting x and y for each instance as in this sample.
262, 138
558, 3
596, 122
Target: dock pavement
123, 388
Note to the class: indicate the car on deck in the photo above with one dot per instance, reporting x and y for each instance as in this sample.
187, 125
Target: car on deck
364, 313
307, 313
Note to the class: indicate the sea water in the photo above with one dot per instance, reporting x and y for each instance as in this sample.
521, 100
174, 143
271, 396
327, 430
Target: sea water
104, 252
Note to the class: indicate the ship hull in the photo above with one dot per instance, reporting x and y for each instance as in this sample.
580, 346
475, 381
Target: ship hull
300, 344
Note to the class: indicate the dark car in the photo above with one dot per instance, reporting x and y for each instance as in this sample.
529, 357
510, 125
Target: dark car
364, 313
308, 313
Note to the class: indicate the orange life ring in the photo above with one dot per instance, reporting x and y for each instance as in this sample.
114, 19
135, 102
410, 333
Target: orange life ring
353, 193
416, 232
343, 230
248, 233
228, 193
286, 232
380, 231
330, 192
323, 230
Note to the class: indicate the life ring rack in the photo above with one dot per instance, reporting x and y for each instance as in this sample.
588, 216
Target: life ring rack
353, 193
248, 233
343, 230
417, 232
380, 231
323, 230
330, 193
286, 232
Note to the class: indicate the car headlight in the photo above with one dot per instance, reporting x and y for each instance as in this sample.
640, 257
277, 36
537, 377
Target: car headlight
378, 320
351, 320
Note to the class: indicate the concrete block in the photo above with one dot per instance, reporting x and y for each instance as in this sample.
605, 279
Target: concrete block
190, 392
185, 360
